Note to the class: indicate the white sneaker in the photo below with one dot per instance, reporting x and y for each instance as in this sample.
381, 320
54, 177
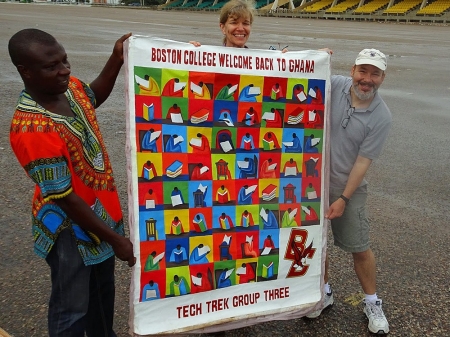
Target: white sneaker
328, 301
377, 321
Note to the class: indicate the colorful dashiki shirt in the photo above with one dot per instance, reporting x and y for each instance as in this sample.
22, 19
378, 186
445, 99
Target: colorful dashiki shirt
62, 155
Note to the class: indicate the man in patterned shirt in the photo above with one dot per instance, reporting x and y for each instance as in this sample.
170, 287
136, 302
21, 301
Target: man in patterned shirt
76, 215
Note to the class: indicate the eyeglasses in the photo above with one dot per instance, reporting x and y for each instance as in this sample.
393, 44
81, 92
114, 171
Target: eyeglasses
345, 121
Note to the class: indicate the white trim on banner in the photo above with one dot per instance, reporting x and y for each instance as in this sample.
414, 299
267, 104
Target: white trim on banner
227, 269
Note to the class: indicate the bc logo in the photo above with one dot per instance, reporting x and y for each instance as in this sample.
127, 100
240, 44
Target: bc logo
297, 251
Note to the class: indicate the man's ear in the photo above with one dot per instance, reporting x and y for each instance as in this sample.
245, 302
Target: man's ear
352, 71
23, 71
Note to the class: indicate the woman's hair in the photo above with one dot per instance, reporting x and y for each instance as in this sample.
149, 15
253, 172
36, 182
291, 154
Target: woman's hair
237, 9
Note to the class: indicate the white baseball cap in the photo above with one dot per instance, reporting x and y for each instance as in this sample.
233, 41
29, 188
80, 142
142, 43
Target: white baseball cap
373, 57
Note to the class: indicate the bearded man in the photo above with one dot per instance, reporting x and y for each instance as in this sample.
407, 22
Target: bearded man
360, 123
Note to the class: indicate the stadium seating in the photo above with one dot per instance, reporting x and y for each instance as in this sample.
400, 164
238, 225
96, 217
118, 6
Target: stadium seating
318, 6
371, 7
218, 5
189, 4
402, 7
343, 6
204, 4
437, 7
261, 3
400, 10
173, 4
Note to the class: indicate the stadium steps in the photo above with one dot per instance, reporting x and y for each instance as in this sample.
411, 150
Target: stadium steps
437, 7
372, 7
188, 4
218, 5
343, 6
204, 5
172, 5
316, 7
403, 7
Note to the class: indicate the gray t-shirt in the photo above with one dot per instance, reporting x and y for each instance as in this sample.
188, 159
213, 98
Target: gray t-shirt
364, 135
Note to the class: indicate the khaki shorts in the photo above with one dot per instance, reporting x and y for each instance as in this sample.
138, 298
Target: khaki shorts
351, 230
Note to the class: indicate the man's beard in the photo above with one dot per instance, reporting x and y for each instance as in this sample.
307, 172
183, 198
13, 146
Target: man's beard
363, 96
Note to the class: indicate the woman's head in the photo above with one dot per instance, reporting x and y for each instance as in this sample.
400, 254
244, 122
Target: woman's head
236, 18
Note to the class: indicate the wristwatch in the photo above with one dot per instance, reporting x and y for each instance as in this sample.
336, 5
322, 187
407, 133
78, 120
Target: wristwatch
343, 197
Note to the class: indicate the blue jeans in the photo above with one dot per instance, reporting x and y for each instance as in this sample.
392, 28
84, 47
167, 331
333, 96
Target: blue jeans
82, 297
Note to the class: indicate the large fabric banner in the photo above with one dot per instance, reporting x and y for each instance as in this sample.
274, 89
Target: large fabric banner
227, 152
